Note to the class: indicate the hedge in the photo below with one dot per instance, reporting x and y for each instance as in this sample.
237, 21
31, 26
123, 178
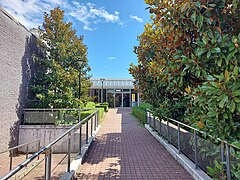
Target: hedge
105, 106
145, 106
84, 114
140, 114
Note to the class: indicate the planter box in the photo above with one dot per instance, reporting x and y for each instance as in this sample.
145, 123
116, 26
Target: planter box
48, 133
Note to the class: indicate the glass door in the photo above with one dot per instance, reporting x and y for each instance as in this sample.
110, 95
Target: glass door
110, 99
126, 99
118, 100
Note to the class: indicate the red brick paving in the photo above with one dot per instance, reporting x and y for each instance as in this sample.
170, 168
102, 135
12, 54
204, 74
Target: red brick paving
125, 150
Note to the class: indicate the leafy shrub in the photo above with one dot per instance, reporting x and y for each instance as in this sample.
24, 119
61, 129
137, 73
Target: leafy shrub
145, 106
103, 105
90, 105
140, 114
100, 113
85, 114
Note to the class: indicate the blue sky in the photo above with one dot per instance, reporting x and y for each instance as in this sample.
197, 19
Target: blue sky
110, 28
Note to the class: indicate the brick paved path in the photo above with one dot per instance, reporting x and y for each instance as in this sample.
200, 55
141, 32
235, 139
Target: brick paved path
125, 150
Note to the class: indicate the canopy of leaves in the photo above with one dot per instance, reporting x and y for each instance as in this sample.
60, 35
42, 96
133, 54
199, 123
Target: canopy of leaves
188, 63
64, 60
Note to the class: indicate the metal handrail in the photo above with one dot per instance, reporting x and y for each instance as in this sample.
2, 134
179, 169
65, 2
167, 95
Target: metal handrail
21, 145
195, 129
10, 150
48, 148
58, 109
224, 144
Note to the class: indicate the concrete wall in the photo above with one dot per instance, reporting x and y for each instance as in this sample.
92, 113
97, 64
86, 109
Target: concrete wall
48, 133
17, 45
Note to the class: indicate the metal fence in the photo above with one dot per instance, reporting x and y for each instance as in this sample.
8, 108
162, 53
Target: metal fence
53, 116
90, 123
205, 151
15, 150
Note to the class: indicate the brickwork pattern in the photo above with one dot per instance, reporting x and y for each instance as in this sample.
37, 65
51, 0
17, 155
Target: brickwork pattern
125, 150
16, 48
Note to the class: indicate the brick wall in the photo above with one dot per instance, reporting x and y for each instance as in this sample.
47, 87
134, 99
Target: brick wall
17, 45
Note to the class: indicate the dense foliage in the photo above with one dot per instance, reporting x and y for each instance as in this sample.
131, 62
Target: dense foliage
188, 63
64, 60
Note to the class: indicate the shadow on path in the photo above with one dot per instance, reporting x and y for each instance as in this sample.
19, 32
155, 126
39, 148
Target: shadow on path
125, 150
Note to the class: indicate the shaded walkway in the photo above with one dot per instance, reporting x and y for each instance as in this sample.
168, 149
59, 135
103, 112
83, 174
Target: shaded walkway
125, 150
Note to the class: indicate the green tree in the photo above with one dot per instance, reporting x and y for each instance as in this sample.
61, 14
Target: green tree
63, 60
188, 62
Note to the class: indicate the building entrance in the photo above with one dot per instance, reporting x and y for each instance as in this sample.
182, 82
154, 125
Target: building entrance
126, 100
118, 100
122, 100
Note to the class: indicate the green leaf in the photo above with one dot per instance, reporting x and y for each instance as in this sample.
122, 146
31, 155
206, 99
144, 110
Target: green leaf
210, 78
200, 20
198, 4
208, 54
236, 69
223, 101
237, 100
230, 55
205, 40
234, 39
212, 114
220, 61
193, 17
211, 5
201, 51
176, 56
232, 106
236, 93
216, 50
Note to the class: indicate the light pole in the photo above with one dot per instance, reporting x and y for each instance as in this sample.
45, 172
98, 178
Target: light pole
79, 78
102, 79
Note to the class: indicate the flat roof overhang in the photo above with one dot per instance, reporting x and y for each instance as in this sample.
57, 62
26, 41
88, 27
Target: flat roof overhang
112, 83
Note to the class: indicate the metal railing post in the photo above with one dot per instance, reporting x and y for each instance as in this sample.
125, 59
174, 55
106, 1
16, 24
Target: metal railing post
150, 119
147, 118
69, 152
48, 164
154, 122
11, 159
195, 149
80, 139
95, 122
38, 148
160, 127
179, 140
27, 152
228, 163
168, 138
87, 132
91, 126
79, 115
223, 159
97, 118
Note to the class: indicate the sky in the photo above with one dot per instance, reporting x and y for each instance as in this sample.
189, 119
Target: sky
110, 28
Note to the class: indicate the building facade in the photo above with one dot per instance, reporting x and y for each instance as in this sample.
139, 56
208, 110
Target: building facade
17, 46
117, 92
